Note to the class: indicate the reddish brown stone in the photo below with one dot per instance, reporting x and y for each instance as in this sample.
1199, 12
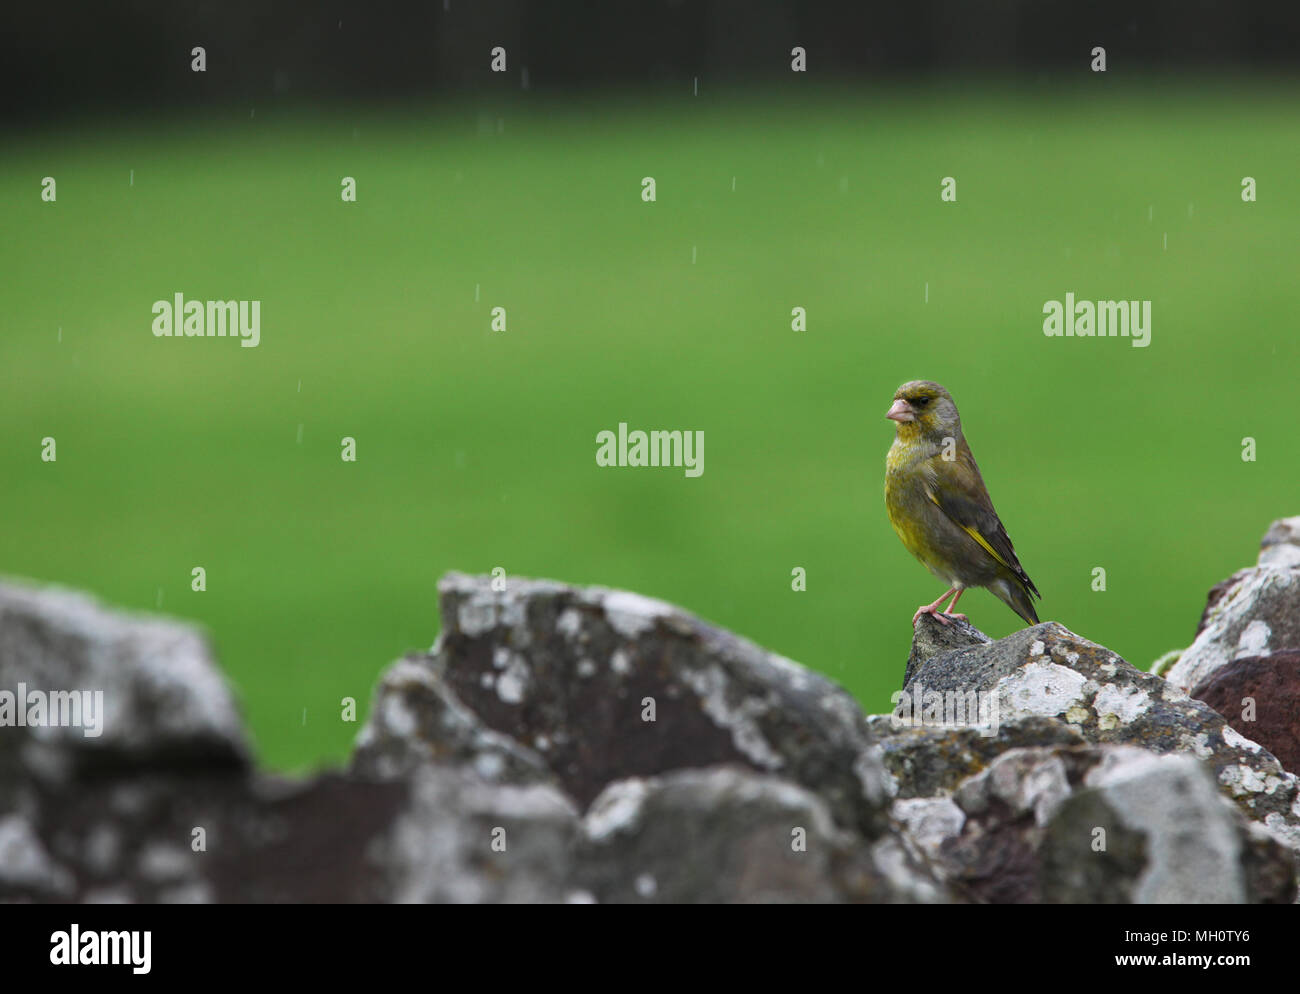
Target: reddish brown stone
1274, 684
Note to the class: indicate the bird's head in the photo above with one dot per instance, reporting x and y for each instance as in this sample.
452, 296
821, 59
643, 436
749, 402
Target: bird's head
924, 409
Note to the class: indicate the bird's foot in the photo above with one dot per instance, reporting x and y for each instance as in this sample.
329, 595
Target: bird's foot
933, 611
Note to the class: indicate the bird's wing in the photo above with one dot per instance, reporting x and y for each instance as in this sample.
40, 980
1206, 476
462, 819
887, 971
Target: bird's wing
960, 493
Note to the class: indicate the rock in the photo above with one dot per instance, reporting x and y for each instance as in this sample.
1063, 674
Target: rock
570, 675
1281, 544
1259, 696
929, 822
227, 837
469, 775
25, 865
927, 761
417, 719
463, 841
1255, 612
1258, 615
164, 702
315, 842
1213, 598
932, 638
1107, 825
563, 744
1047, 670
728, 835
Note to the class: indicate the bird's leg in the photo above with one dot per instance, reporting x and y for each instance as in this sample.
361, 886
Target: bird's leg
933, 609
953, 603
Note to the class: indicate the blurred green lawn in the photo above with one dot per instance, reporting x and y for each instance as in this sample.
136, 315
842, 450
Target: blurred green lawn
477, 449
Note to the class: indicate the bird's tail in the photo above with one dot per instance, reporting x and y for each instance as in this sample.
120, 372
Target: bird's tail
1015, 595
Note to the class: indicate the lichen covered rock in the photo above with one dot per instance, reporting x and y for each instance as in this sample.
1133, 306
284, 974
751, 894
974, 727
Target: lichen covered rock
1049, 671
568, 744
604, 685
730, 835
1106, 825
1255, 612
155, 692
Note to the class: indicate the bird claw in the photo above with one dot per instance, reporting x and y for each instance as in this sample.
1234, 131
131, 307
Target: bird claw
939, 616
931, 610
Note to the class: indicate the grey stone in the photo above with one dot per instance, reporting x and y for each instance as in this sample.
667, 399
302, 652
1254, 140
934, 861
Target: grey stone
568, 674
515, 763
462, 841
164, 699
1106, 825
1258, 614
928, 760
1048, 670
1281, 544
730, 835
1255, 612
416, 718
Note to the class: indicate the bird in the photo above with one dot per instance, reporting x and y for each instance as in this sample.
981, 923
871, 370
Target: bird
940, 508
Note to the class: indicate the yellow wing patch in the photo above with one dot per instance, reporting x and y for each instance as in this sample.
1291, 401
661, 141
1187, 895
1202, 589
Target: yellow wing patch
971, 531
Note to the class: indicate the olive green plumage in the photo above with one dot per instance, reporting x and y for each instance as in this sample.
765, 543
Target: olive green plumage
939, 506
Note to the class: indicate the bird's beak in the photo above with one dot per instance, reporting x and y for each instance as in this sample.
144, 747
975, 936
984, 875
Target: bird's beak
901, 411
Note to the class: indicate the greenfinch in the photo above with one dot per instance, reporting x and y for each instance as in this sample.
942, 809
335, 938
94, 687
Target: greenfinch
940, 508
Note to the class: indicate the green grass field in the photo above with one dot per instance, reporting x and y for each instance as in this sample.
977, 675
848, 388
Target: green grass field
477, 449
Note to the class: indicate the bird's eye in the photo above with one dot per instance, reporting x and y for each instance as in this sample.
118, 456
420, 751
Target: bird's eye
920, 401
